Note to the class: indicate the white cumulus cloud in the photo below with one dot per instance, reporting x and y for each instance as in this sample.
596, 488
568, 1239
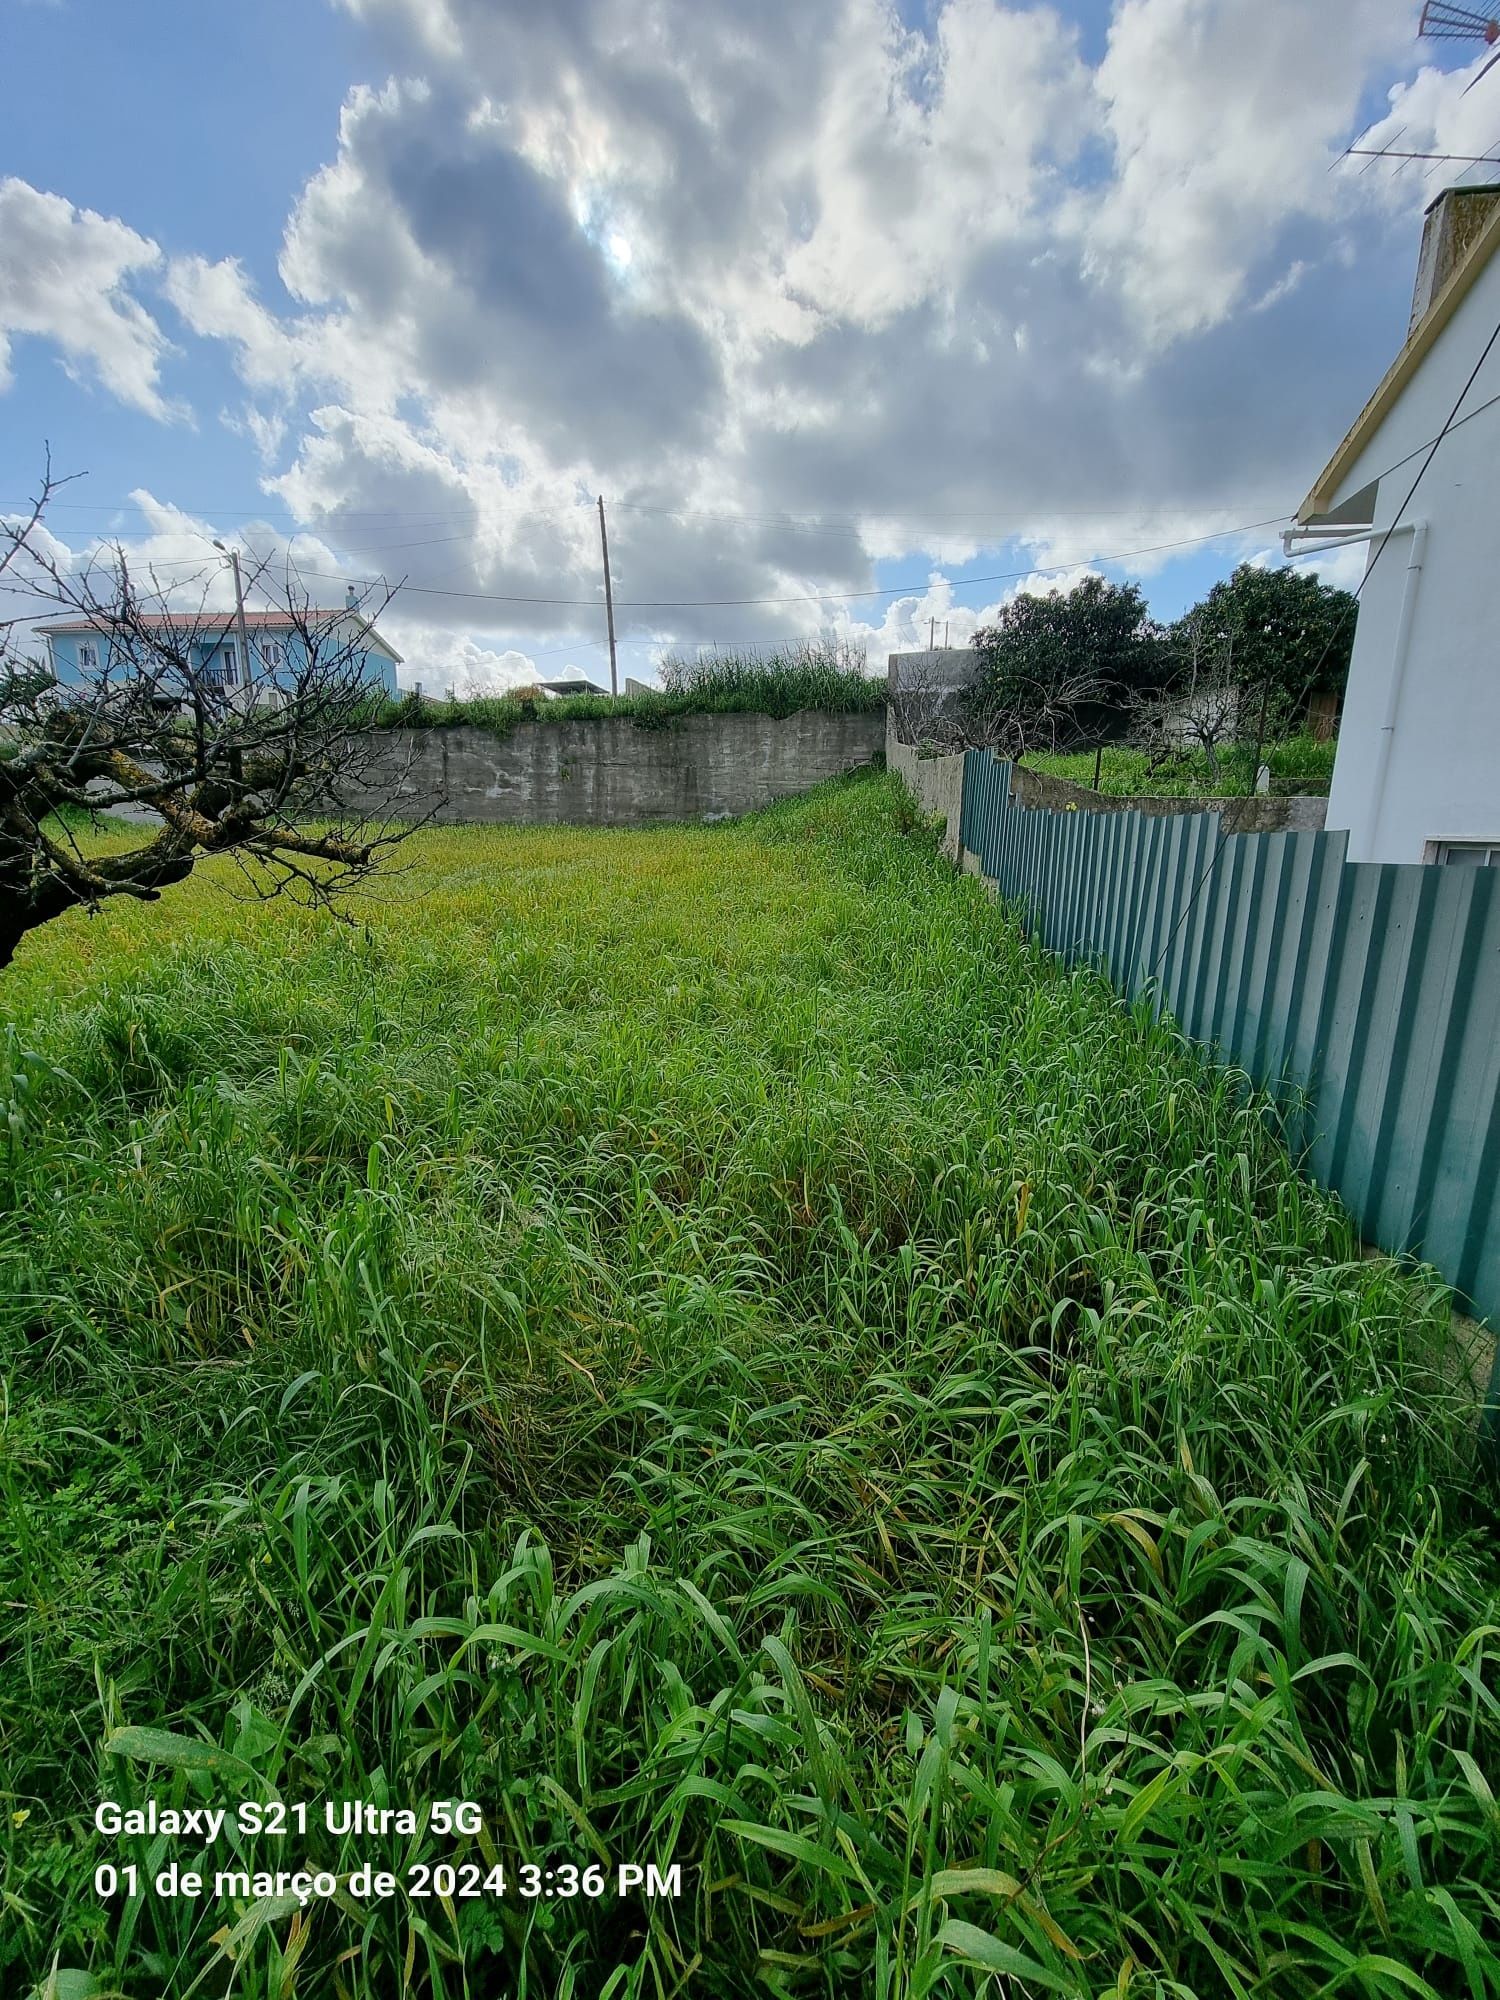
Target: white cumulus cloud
65, 274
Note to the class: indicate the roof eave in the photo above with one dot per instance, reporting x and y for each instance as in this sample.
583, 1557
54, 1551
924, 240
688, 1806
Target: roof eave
220, 624
367, 626
1419, 344
385, 645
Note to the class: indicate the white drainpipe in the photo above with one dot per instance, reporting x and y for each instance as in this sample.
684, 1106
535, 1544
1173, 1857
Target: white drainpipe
1418, 533
1323, 538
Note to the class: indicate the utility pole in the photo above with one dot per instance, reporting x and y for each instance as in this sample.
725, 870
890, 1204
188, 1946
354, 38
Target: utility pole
609, 601
932, 635
239, 619
1260, 729
239, 614
236, 755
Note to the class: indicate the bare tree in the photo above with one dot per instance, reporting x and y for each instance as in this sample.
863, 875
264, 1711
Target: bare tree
277, 770
1018, 712
1202, 706
1057, 666
926, 709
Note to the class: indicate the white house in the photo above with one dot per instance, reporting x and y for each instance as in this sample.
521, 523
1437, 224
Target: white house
1417, 773
573, 683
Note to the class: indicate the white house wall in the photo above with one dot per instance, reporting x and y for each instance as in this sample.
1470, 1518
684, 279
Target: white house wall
1442, 770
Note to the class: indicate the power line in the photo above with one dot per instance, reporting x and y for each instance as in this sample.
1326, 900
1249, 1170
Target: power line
1355, 599
1417, 449
746, 603
854, 525
858, 524
1450, 424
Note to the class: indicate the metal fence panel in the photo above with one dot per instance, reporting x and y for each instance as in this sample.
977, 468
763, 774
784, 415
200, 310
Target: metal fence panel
1364, 996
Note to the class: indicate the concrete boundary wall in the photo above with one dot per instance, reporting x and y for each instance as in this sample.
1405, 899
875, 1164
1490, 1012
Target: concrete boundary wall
1297, 812
936, 783
615, 772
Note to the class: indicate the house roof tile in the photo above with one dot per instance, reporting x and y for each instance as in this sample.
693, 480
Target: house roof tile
211, 621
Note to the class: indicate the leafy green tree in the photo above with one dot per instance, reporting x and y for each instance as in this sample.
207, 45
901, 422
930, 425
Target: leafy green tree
1288, 634
1049, 664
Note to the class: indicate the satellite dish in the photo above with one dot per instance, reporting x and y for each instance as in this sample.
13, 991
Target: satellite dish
1442, 21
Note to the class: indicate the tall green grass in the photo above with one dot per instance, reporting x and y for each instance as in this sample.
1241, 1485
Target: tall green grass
708, 1344
1298, 764
819, 675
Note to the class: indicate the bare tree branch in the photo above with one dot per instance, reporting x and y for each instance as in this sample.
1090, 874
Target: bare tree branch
1021, 712
1202, 705
928, 711
264, 763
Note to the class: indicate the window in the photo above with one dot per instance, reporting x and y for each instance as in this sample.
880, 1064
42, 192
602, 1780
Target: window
273, 652
88, 654
1467, 853
219, 668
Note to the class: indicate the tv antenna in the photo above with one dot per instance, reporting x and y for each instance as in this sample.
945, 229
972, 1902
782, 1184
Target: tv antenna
1443, 21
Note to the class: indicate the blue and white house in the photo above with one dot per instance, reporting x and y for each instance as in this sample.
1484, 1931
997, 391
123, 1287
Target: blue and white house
79, 652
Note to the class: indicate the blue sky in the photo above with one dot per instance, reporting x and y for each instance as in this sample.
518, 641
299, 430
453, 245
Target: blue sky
830, 298
199, 136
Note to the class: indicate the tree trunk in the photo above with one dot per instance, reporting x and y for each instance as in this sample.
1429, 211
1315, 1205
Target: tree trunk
26, 905
27, 910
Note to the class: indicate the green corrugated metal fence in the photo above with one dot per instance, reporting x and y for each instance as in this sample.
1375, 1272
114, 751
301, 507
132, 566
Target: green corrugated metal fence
1366, 996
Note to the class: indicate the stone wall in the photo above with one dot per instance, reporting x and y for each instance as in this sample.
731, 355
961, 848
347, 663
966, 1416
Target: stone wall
613, 772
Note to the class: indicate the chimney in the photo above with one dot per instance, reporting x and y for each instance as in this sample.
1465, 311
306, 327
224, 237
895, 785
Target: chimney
1453, 222
351, 601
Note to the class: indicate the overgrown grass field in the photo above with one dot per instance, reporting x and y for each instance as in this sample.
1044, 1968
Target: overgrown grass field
707, 1344
1298, 764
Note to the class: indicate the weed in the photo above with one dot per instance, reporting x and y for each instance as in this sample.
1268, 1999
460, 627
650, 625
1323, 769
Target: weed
831, 678
708, 1344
